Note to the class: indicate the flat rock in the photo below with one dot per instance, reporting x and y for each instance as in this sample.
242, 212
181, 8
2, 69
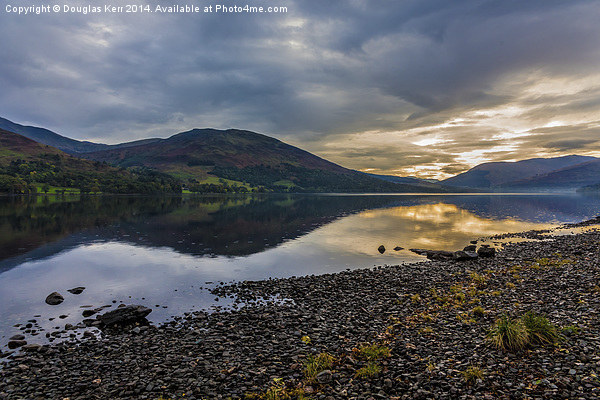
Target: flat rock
125, 315
76, 290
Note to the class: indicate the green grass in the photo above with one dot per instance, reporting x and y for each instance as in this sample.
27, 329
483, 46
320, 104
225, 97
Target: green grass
370, 370
509, 334
56, 189
316, 364
373, 352
540, 330
530, 329
472, 374
478, 312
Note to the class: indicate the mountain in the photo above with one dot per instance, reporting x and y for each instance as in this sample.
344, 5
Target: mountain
205, 157
50, 138
28, 167
496, 175
572, 177
411, 180
68, 145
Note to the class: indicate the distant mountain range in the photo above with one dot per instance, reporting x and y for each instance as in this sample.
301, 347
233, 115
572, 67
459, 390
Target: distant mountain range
536, 174
210, 159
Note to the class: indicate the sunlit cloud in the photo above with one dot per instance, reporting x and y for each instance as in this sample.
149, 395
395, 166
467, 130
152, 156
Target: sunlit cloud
416, 88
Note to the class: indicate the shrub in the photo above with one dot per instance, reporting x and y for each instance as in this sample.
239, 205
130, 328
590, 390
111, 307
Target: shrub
509, 334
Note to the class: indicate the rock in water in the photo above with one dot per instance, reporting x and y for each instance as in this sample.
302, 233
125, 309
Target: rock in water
486, 251
470, 248
77, 290
54, 299
13, 344
464, 255
125, 315
381, 249
398, 248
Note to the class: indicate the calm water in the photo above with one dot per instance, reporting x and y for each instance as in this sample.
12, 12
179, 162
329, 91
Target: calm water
168, 251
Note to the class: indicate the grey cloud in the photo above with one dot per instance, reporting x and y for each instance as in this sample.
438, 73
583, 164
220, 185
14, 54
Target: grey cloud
350, 67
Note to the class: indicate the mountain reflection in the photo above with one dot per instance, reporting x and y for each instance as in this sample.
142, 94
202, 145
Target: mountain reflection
245, 225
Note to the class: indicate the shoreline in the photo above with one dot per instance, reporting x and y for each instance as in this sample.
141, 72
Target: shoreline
422, 312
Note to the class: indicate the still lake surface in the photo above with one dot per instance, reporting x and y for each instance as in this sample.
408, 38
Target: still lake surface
166, 252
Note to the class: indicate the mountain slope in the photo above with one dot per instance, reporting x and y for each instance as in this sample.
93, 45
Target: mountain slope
199, 155
26, 164
573, 177
50, 138
68, 145
498, 174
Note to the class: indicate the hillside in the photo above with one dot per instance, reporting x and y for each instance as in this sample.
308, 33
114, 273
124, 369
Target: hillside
29, 167
68, 145
505, 174
202, 157
573, 177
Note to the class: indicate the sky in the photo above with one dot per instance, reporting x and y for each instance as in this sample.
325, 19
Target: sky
401, 87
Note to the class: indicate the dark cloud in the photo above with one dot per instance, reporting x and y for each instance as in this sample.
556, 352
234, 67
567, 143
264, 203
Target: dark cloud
316, 76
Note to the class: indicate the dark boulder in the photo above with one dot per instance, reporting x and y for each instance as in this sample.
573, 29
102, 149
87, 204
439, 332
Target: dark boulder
464, 255
485, 251
398, 248
13, 344
381, 249
54, 299
471, 247
440, 255
125, 316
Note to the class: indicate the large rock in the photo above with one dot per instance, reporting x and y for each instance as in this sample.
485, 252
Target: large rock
54, 299
13, 344
441, 255
464, 255
125, 315
381, 249
485, 251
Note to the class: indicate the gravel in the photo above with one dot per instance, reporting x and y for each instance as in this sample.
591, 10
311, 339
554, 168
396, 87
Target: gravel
422, 312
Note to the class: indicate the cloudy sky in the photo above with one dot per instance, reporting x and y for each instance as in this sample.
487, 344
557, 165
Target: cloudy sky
427, 88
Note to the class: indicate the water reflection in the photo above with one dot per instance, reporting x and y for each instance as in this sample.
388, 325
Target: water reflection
163, 251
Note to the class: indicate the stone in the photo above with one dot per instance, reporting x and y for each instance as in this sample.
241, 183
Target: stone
381, 249
324, 376
125, 315
13, 344
76, 290
464, 255
398, 248
485, 251
54, 299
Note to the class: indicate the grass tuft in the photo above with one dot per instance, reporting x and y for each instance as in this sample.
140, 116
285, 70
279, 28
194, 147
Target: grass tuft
509, 334
370, 370
540, 330
478, 312
472, 374
373, 352
316, 364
